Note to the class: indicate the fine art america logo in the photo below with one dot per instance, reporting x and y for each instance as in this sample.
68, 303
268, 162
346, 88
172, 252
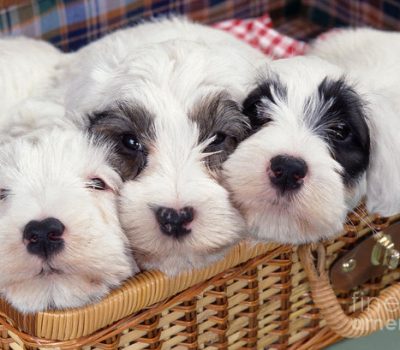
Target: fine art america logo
381, 311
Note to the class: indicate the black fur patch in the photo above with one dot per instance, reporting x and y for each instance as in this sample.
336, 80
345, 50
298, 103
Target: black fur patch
346, 110
113, 124
254, 107
334, 107
219, 116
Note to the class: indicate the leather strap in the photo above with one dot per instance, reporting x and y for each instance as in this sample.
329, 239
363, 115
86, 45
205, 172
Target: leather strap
358, 266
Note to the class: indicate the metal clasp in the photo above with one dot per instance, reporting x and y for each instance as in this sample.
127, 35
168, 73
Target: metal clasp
384, 253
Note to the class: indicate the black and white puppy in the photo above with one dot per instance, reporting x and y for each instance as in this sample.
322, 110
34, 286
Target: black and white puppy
305, 165
168, 95
371, 58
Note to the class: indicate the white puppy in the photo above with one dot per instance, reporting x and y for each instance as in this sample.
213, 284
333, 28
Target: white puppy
167, 94
371, 58
30, 73
61, 241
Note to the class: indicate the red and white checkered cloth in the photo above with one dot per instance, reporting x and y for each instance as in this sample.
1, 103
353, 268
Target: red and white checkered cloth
259, 33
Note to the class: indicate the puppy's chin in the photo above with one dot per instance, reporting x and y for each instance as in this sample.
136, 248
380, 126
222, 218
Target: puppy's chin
294, 226
55, 291
183, 260
311, 213
216, 226
69, 279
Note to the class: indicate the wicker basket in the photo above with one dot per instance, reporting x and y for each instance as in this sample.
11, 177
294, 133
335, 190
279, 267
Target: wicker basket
257, 297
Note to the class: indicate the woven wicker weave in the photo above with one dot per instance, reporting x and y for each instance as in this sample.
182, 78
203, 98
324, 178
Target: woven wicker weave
256, 297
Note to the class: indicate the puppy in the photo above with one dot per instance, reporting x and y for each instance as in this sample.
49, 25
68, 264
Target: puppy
30, 84
62, 244
167, 95
371, 58
305, 165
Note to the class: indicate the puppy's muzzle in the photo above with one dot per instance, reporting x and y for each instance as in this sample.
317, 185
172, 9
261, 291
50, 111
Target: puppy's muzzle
287, 173
44, 238
174, 222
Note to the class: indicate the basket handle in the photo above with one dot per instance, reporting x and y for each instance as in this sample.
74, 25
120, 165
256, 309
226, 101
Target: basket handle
379, 313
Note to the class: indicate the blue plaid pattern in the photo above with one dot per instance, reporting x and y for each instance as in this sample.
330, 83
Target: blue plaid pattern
382, 14
70, 24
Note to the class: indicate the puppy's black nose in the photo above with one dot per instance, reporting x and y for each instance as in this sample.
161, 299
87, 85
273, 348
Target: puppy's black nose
287, 173
44, 238
174, 222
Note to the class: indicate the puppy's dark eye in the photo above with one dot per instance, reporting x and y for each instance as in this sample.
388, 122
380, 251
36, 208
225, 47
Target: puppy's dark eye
130, 142
97, 184
4, 193
340, 132
219, 139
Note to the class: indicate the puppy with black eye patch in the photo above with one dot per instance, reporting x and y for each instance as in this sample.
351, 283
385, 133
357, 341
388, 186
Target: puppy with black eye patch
305, 165
62, 245
165, 94
371, 58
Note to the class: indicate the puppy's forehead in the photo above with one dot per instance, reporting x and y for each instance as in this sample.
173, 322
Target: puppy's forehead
181, 68
300, 88
63, 156
304, 74
205, 114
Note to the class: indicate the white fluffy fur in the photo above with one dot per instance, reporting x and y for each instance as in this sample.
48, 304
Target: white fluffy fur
27, 68
47, 177
317, 211
371, 59
30, 74
167, 66
167, 60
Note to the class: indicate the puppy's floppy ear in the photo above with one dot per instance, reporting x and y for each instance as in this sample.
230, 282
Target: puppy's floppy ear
383, 174
266, 94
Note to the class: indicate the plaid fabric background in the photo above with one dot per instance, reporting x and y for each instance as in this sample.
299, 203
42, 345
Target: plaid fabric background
70, 24
383, 14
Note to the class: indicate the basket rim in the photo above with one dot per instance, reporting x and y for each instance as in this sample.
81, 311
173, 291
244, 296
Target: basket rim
137, 293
